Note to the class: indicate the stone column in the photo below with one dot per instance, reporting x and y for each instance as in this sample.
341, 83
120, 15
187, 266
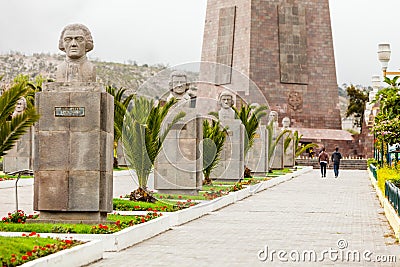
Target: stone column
231, 165
74, 152
178, 167
20, 156
257, 156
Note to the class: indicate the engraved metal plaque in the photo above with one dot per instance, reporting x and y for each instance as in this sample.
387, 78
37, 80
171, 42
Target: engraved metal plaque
69, 111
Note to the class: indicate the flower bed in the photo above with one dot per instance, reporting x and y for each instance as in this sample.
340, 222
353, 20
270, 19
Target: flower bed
18, 250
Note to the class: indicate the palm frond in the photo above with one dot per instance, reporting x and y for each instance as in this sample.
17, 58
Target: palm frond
11, 131
9, 99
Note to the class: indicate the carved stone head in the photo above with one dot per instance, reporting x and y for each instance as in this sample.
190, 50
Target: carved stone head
178, 82
226, 99
75, 40
286, 122
273, 116
20, 107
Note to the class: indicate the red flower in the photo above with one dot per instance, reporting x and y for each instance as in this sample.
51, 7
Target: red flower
13, 255
32, 234
143, 220
13, 260
68, 242
29, 253
160, 196
179, 197
24, 258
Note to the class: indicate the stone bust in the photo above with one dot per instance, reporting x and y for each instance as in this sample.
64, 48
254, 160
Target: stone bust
285, 123
178, 86
225, 100
20, 107
273, 117
76, 40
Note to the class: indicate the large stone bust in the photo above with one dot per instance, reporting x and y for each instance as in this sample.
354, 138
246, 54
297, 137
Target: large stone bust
178, 86
76, 40
225, 100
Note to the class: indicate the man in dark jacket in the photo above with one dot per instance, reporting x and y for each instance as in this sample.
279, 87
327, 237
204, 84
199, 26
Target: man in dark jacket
336, 156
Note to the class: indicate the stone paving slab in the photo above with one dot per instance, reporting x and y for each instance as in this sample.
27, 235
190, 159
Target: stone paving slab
305, 213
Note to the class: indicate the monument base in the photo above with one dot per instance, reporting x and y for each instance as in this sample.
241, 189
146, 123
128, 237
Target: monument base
70, 217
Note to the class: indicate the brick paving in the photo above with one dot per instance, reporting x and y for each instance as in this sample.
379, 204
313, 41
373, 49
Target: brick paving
305, 213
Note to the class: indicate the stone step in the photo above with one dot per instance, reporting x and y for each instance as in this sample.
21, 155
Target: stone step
345, 164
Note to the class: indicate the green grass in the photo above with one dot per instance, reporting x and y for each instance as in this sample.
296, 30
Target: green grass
126, 205
163, 197
20, 245
15, 251
14, 176
66, 228
121, 169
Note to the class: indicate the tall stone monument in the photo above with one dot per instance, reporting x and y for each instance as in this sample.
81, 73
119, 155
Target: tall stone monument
276, 161
20, 156
178, 167
257, 156
231, 165
285, 47
74, 138
289, 153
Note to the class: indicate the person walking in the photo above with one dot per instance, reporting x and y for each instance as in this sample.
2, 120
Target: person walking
336, 157
323, 159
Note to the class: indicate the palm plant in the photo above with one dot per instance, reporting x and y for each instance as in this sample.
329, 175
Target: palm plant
120, 108
299, 149
12, 129
213, 142
250, 117
142, 138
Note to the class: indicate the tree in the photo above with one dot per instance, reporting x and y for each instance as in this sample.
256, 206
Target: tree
120, 108
213, 142
387, 121
356, 107
12, 130
250, 117
142, 137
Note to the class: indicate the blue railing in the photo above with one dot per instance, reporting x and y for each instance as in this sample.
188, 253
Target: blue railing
372, 168
392, 193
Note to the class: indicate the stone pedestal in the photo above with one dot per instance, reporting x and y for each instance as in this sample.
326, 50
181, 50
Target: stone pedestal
73, 152
120, 155
231, 165
277, 157
20, 156
178, 167
289, 155
257, 156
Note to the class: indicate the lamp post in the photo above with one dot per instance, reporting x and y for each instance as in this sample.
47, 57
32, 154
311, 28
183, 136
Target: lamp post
384, 57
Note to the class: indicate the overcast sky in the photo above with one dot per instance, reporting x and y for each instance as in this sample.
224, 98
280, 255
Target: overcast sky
171, 31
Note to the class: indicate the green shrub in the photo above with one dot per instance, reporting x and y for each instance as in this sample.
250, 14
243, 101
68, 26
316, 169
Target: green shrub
372, 161
387, 173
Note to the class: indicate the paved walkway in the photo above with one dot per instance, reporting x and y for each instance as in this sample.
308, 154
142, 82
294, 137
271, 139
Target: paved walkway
306, 213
